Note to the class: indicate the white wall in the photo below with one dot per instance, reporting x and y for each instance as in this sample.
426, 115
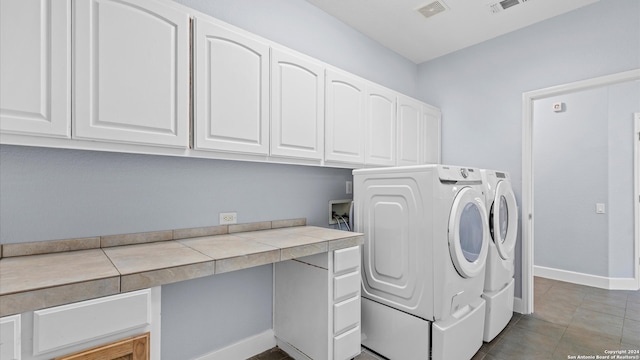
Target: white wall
51, 194
570, 152
589, 147
479, 89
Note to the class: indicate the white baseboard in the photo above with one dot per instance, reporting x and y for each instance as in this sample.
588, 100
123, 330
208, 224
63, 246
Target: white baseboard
586, 279
623, 284
292, 351
517, 305
244, 348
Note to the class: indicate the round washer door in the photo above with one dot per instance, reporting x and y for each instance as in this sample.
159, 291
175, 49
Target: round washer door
468, 233
503, 220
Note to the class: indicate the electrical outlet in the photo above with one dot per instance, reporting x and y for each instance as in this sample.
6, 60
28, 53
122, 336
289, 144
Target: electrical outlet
228, 218
349, 187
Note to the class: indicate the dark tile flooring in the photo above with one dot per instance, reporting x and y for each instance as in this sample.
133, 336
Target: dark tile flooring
568, 320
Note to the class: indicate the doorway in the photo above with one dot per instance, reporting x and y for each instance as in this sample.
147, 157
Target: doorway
529, 99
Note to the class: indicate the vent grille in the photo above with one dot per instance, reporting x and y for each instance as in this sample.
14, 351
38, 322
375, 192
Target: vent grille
504, 5
433, 8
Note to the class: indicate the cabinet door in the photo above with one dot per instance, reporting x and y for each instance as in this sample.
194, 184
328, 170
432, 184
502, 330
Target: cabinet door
35, 65
131, 72
297, 106
381, 127
301, 307
411, 133
232, 90
432, 120
344, 122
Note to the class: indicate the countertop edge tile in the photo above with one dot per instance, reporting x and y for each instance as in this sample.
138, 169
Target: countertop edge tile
147, 279
346, 242
16, 303
36, 298
304, 250
246, 261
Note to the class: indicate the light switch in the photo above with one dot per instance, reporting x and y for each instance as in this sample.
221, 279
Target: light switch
599, 208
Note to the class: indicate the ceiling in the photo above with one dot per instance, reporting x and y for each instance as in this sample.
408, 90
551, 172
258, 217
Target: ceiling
398, 25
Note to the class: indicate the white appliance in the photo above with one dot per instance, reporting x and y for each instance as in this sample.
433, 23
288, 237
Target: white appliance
503, 225
423, 267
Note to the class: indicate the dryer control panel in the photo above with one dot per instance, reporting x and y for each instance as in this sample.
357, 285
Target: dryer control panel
458, 173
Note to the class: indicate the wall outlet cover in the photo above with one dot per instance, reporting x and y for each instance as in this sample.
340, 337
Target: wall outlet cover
228, 218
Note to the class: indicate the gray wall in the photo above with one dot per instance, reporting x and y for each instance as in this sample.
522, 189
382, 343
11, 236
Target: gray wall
588, 150
48, 194
479, 89
56, 194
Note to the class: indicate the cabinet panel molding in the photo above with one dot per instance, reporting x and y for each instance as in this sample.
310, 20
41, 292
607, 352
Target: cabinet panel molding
381, 127
432, 122
67, 325
131, 72
345, 118
411, 132
35, 67
231, 90
297, 106
10, 332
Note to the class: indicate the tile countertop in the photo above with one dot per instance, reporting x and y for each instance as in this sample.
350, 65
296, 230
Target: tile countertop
38, 281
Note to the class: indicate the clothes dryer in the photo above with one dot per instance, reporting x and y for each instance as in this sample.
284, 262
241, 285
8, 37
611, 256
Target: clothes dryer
423, 267
503, 226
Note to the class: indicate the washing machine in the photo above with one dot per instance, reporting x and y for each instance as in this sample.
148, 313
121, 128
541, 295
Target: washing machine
423, 265
503, 226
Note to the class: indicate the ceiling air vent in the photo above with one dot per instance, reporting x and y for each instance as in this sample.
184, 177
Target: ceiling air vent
433, 8
504, 5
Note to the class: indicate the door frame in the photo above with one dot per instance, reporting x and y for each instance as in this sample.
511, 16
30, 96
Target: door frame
636, 191
528, 99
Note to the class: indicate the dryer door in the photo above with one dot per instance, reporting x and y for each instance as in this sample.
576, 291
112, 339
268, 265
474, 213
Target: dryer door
468, 233
503, 219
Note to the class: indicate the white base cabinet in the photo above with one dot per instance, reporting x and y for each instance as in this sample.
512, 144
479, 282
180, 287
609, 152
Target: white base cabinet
62, 330
10, 338
317, 305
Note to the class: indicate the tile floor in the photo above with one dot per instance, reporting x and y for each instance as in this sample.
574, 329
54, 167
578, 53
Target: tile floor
569, 319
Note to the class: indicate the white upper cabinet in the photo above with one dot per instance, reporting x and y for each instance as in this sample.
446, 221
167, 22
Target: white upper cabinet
297, 106
432, 120
381, 127
411, 132
131, 72
231, 90
153, 76
35, 65
345, 118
